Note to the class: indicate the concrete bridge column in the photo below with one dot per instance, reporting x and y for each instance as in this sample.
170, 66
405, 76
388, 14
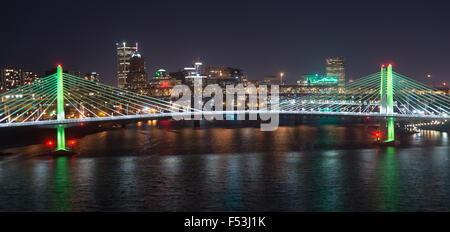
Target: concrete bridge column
61, 136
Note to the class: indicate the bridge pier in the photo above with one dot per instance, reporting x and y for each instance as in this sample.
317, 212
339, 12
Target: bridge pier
61, 138
387, 125
387, 129
60, 133
390, 130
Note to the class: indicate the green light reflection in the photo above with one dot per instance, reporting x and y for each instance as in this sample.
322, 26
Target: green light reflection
61, 184
388, 181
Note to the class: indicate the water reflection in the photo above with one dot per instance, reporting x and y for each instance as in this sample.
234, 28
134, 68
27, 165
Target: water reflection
388, 181
169, 167
444, 138
233, 196
328, 182
61, 192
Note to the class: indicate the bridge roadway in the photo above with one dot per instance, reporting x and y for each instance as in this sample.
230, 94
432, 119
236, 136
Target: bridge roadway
212, 113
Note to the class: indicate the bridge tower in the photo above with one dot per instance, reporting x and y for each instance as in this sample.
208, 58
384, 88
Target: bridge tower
60, 136
387, 102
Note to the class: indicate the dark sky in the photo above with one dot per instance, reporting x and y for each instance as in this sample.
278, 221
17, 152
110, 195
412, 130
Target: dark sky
261, 37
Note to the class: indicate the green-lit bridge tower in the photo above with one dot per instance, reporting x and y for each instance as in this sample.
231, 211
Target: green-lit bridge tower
60, 137
387, 102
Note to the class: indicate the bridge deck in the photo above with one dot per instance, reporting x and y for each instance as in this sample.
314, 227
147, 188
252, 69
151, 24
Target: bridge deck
212, 113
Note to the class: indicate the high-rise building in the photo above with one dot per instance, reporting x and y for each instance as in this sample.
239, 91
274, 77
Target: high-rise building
335, 68
137, 76
28, 77
92, 76
10, 79
124, 54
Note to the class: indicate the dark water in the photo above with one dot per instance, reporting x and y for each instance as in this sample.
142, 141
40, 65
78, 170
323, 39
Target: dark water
165, 167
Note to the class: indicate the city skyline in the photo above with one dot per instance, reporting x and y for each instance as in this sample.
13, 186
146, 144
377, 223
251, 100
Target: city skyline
225, 106
264, 42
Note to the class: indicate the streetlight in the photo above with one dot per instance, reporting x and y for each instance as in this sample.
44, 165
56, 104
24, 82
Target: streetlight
431, 79
281, 77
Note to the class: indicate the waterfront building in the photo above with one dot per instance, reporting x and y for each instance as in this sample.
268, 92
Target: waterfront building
317, 80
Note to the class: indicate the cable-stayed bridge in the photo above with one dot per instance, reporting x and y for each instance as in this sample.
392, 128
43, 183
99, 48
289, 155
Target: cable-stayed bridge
62, 99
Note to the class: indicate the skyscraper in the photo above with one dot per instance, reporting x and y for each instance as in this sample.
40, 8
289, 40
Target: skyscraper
10, 79
124, 54
335, 67
137, 76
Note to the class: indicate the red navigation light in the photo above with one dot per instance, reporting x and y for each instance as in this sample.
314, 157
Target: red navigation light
377, 134
49, 143
72, 142
165, 123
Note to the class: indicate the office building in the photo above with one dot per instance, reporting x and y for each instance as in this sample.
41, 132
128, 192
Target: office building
137, 76
335, 68
124, 54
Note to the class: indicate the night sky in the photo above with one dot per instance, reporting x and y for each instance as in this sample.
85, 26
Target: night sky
261, 37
